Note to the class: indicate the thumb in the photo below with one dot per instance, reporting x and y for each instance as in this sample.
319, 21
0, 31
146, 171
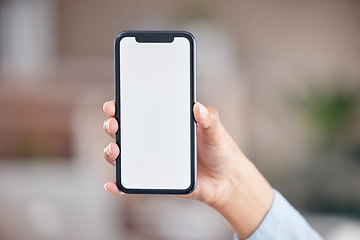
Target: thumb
208, 122
203, 116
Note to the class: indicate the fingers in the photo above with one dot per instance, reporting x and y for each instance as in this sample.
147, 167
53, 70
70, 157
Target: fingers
109, 108
111, 126
111, 152
111, 187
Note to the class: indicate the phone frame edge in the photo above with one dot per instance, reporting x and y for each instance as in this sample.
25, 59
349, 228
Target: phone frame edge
193, 173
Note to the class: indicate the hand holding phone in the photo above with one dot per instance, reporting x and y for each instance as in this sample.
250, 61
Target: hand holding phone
227, 180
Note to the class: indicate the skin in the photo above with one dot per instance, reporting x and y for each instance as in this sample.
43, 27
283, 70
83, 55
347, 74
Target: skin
227, 180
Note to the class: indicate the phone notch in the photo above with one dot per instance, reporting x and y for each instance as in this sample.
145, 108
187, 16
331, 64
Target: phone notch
154, 38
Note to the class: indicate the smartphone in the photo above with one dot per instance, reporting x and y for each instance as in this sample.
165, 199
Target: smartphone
155, 88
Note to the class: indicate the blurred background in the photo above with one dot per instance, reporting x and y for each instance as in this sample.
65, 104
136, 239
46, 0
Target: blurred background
284, 76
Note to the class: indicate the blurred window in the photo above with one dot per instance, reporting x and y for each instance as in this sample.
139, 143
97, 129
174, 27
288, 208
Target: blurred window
27, 34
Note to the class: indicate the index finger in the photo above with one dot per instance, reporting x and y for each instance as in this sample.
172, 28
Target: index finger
109, 108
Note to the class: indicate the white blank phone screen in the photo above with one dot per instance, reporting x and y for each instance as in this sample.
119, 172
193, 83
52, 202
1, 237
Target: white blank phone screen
155, 114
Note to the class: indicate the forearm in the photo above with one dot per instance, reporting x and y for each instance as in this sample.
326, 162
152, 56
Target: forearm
247, 201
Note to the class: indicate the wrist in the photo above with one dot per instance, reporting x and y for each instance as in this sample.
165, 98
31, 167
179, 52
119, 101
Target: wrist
246, 199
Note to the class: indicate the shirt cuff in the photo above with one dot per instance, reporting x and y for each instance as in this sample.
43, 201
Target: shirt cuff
283, 221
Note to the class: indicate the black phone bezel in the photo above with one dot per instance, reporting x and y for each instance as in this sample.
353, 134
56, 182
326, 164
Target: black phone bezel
158, 36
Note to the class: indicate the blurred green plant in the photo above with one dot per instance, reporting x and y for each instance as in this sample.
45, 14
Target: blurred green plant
329, 180
330, 113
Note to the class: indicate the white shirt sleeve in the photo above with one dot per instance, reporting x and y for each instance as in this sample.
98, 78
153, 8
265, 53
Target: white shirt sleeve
283, 222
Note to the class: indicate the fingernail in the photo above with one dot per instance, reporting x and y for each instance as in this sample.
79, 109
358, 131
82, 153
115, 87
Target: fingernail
104, 106
108, 150
107, 125
105, 187
203, 111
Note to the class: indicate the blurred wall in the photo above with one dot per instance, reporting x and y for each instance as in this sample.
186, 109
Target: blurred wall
256, 62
